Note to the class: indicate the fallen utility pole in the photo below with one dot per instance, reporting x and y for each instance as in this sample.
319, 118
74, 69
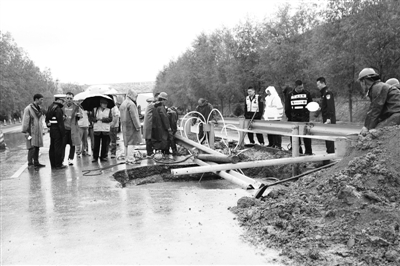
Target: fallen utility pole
232, 176
253, 164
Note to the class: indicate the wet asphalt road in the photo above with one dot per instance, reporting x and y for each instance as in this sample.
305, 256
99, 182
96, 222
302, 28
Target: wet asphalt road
63, 217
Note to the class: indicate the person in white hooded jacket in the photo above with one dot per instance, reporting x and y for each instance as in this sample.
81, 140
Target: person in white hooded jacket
273, 112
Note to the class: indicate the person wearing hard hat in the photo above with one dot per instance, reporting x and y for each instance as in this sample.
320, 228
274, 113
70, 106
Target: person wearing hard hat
393, 82
384, 109
273, 112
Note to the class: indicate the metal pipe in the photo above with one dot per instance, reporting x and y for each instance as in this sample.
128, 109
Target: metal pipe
225, 175
253, 164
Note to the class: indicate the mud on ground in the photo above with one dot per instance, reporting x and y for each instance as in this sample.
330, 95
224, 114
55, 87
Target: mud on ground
346, 215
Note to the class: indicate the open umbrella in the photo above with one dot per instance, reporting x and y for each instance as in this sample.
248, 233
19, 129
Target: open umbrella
102, 89
93, 100
81, 96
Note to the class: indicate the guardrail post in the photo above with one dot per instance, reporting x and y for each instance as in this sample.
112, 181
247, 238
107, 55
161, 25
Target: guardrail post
242, 125
295, 148
212, 135
188, 126
341, 145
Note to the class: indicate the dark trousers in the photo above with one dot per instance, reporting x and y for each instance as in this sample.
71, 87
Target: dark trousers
104, 139
260, 137
330, 146
56, 153
171, 140
91, 136
68, 140
33, 155
149, 147
113, 140
275, 140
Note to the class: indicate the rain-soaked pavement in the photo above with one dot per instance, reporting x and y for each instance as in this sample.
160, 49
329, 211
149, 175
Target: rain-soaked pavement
62, 217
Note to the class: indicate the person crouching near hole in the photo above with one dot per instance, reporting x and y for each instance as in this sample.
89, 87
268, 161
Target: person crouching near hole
273, 112
101, 119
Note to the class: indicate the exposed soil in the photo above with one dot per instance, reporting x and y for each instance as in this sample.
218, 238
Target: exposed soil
348, 214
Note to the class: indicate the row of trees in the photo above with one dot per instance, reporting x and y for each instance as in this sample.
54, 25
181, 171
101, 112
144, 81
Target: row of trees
20, 79
336, 41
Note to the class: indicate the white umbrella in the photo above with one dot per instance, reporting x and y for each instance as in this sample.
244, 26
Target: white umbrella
81, 96
102, 89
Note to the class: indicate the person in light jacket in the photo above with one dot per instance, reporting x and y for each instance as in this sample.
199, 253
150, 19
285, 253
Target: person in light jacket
273, 112
101, 119
130, 123
32, 126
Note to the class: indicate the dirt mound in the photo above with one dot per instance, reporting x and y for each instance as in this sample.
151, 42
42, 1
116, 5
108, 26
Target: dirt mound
346, 215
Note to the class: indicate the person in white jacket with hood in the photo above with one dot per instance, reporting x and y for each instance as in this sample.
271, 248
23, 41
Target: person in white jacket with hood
273, 112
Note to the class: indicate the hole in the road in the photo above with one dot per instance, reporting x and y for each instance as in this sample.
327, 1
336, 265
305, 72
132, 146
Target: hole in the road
158, 173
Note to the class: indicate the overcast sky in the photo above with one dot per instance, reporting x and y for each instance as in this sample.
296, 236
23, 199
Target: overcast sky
114, 41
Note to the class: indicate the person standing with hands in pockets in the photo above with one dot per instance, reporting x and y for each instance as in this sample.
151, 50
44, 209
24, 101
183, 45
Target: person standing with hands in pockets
32, 126
254, 110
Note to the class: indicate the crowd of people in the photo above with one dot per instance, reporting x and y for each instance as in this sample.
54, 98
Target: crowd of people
72, 125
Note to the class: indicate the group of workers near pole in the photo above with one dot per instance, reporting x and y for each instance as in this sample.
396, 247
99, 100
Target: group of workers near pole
70, 124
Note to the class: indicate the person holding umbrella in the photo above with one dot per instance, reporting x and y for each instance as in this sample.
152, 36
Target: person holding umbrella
101, 118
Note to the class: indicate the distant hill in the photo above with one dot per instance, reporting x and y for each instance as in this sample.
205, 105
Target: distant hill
138, 87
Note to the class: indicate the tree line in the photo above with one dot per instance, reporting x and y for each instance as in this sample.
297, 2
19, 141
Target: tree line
332, 38
20, 79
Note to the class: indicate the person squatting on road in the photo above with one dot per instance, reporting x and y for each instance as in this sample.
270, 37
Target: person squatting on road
254, 110
148, 124
55, 122
161, 129
101, 119
114, 125
273, 112
172, 113
130, 123
72, 113
32, 126
384, 109
205, 109
296, 111
327, 110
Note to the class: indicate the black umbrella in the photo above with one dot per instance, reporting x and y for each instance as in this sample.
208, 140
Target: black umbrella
93, 101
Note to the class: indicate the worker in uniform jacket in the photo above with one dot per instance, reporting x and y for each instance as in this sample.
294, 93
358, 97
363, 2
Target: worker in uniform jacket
254, 110
296, 111
384, 109
55, 121
327, 110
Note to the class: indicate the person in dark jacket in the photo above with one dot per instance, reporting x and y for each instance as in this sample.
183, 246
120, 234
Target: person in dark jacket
254, 110
55, 121
148, 125
161, 129
327, 110
204, 108
384, 109
296, 111
173, 122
